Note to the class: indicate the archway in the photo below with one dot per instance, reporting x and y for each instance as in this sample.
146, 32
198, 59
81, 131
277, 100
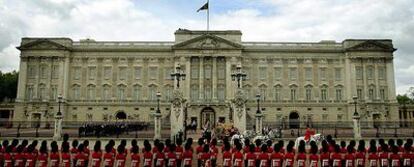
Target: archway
208, 118
120, 115
294, 121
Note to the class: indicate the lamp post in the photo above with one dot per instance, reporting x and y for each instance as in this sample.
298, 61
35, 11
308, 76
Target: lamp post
238, 75
356, 120
259, 117
57, 135
178, 75
157, 119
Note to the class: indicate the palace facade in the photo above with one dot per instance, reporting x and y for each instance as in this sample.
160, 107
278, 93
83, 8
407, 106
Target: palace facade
299, 83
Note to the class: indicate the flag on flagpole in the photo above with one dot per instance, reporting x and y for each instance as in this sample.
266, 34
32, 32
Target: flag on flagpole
204, 7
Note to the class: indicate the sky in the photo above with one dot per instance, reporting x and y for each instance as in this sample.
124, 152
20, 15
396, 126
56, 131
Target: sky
259, 20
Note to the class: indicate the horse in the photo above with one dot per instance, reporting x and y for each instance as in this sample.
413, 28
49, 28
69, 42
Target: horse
238, 137
318, 138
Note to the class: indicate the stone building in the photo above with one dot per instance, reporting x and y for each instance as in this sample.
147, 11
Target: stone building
299, 83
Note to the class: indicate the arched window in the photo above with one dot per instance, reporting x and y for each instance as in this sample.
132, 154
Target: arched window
338, 92
293, 91
207, 92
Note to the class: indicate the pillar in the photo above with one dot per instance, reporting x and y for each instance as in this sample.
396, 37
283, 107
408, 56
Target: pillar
357, 127
259, 123
157, 125
57, 135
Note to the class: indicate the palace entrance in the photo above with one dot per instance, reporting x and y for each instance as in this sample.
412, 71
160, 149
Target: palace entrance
294, 121
121, 115
208, 118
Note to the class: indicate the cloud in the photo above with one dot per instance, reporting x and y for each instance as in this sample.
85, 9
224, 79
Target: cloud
259, 20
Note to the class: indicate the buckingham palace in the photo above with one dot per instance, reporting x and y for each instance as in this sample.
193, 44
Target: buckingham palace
296, 83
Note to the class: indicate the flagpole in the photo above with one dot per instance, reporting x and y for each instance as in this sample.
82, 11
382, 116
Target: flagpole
208, 15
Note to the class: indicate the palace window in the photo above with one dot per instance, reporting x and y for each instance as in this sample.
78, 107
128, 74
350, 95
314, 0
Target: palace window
358, 71
42, 91
324, 93
371, 93
91, 73
53, 92
194, 92
121, 92
31, 71
43, 71
221, 92
381, 73
152, 93
167, 73
322, 73
76, 73
338, 74
29, 93
359, 94
91, 92
293, 94
207, 72
153, 73
138, 71
308, 73
106, 92
382, 94
76, 92
278, 73
262, 73
277, 92
293, 73
308, 93
338, 94
370, 72
122, 73
107, 72
221, 72
55, 71
207, 92
168, 92
137, 92
262, 91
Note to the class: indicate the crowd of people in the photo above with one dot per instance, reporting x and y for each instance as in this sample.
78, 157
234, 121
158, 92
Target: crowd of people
206, 153
109, 129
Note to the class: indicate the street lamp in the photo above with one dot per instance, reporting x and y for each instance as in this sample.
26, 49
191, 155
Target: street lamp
355, 98
158, 102
60, 99
178, 75
238, 75
258, 104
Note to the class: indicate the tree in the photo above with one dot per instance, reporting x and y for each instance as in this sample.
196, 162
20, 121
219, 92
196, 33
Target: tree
410, 93
8, 85
404, 99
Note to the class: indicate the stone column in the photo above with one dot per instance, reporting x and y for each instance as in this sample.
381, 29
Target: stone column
157, 125
21, 88
57, 135
357, 127
259, 123
214, 76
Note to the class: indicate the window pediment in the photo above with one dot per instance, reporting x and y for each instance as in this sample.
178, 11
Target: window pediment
42, 44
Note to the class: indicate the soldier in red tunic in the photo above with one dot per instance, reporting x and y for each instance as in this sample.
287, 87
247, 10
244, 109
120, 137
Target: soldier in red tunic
54, 155
148, 156
135, 158
96, 154
238, 156
66, 159
108, 158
